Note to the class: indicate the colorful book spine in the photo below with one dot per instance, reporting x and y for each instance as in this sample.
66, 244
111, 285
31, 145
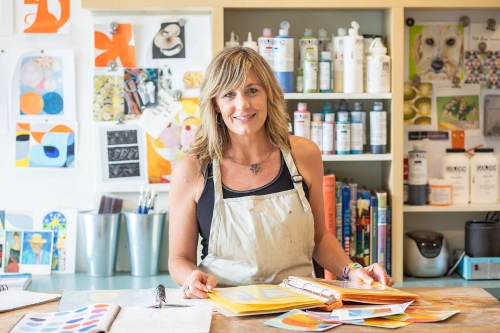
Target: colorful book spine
373, 229
330, 214
388, 264
363, 227
353, 197
346, 227
338, 209
382, 226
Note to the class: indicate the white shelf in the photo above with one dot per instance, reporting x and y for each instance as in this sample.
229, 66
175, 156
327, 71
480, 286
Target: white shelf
452, 208
338, 96
358, 157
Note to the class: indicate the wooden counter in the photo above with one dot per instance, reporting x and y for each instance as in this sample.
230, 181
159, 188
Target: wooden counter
479, 312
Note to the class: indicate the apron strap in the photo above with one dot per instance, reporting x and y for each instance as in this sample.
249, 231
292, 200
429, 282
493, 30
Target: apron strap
296, 179
218, 196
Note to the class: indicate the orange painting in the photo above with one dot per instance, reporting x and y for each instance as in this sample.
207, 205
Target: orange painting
117, 46
46, 16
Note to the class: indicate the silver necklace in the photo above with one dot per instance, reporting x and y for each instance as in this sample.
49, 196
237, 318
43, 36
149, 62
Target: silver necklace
254, 167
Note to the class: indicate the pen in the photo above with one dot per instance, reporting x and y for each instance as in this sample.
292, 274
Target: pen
139, 204
145, 202
151, 203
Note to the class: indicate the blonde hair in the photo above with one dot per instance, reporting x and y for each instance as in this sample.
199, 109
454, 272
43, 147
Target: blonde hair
226, 72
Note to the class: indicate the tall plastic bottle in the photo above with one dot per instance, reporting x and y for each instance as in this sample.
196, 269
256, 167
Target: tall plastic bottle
308, 42
378, 68
359, 113
338, 61
353, 60
455, 167
265, 43
356, 133
283, 58
327, 109
233, 40
302, 121
317, 130
250, 43
343, 131
299, 84
328, 134
417, 175
324, 42
310, 73
325, 73
483, 177
378, 129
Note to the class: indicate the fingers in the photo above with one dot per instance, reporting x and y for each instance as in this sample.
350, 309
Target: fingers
378, 273
198, 284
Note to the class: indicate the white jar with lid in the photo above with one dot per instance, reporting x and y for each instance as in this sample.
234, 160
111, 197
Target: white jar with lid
456, 170
440, 192
483, 177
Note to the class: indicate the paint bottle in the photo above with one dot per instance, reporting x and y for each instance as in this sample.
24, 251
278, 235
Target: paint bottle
308, 42
378, 68
250, 43
310, 72
299, 85
283, 58
338, 61
359, 113
353, 60
455, 168
317, 130
378, 129
233, 40
302, 121
327, 109
367, 40
343, 131
324, 42
356, 133
417, 175
329, 134
483, 177
326, 73
265, 43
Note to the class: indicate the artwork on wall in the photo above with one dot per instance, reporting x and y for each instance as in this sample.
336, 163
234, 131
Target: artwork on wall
44, 145
140, 90
117, 45
12, 249
418, 104
36, 253
169, 41
46, 16
44, 84
491, 103
109, 100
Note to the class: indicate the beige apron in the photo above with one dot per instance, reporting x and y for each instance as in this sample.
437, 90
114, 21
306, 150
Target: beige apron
261, 238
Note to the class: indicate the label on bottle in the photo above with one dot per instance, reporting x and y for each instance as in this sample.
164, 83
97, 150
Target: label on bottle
328, 138
356, 138
343, 140
325, 76
310, 76
378, 128
317, 133
302, 124
378, 75
266, 49
283, 54
417, 168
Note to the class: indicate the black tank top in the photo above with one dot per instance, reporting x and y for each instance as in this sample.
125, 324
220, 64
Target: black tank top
205, 206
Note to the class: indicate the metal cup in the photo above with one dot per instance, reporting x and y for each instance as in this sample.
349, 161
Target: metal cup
144, 236
100, 239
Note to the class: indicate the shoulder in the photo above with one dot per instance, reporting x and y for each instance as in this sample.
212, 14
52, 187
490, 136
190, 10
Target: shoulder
187, 177
307, 157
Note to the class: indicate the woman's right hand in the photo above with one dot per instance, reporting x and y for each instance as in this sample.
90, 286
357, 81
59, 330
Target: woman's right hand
198, 284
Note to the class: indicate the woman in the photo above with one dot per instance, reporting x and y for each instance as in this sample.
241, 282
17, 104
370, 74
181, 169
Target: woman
239, 186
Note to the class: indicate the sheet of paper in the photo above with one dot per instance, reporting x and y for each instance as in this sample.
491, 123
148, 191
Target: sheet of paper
297, 320
194, 319
72, 299
351, 312
17, 299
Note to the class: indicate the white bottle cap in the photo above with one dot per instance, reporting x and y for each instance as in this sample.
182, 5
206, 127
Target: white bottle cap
250, 43
355, 28
377, 106
325, 55
316, 116
358, 106
330, 117
322, 33
284, 26
302, 106
308, 32
341, 32
233, 41
377, 46
417, 145
267, 32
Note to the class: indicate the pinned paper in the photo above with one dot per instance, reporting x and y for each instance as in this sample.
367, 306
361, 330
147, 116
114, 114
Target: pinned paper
118, 46
46, 16
108, 95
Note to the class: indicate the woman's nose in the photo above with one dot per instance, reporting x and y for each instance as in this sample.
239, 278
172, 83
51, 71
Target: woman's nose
241, 102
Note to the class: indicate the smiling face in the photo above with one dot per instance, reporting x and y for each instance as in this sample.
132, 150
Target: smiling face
244, 110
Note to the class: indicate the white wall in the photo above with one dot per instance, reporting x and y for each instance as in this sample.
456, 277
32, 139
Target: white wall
22, 189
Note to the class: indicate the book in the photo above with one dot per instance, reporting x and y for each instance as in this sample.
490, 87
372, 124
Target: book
262, 298
334, 290
18, 299
19, 281
108, 317
388, 241
329, 204
353, 196
381, 226
373, 228
346, 227
338, 209
363, 227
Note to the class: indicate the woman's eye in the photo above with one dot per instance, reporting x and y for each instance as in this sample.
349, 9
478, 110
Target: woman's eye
229, 95
252, 90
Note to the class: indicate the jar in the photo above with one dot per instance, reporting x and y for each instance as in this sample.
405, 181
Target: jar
483, 177
440, 192
456, 170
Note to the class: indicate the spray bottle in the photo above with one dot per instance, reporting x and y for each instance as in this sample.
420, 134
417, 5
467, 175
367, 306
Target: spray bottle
265, 43
233, 40
338, 61
378, 68
353, 60
251, 43
283, 58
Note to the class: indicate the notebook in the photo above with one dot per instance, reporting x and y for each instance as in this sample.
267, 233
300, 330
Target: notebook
11, 281
18, 299
111, 318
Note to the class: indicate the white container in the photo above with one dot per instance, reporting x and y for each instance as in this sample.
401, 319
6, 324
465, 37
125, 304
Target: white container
324, 42
353, 60
483, 177
455, 168
302, 121
283, 49
325, 73
250, 43
343, 137
378, 68
308, 42
233, 40
265, 43
356, 133
329, 134
317, 130
338, 61
378, 129
359, 113
310, 73
440, 192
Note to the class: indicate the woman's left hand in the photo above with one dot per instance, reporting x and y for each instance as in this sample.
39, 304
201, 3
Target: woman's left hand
371, 273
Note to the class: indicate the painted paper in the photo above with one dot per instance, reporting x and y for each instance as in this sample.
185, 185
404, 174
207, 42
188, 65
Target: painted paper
108, 95
17, 219
43, 145
44, 86
418, 104
491, 104
483, 68
12, 249
140, 90
36, 254
353, 312
117, 46
169, 41
298, 321
381, 322
417, 315
46, 16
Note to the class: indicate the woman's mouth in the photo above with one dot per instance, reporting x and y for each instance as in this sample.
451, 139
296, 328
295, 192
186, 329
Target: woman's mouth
243, 118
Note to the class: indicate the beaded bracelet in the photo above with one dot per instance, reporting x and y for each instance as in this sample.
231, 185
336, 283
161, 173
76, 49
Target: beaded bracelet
347, 269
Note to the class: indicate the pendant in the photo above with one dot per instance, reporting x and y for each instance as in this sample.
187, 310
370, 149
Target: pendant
254, 167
